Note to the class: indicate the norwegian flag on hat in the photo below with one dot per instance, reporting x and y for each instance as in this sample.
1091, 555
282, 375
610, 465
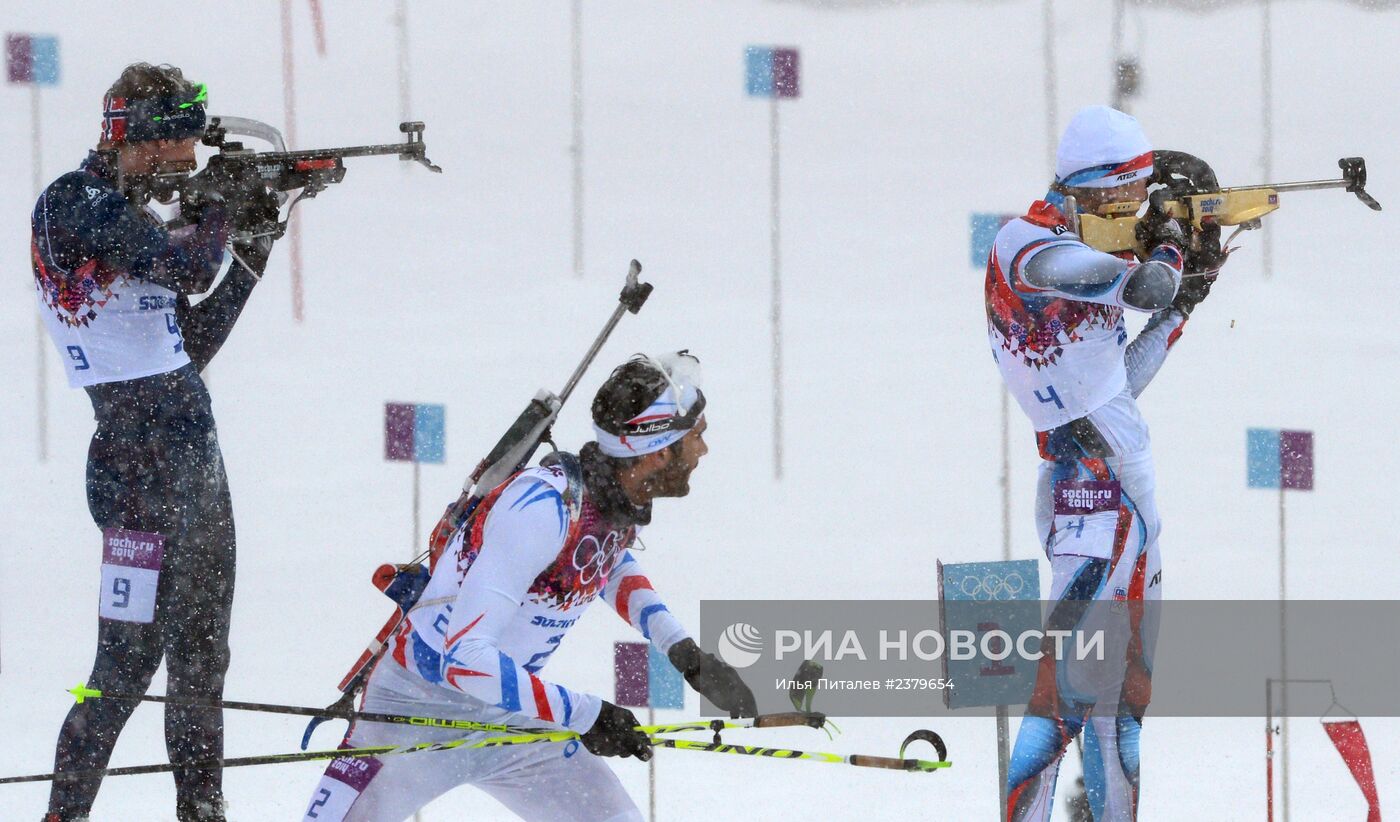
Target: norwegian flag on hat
113, 119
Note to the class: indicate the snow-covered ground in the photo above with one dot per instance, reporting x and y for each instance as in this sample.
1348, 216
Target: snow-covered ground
457, 289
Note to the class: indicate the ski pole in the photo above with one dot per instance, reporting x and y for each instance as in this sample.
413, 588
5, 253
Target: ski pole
859, 760
468, 743
778, 720
272, 759
900, 763
789, 719
83, 693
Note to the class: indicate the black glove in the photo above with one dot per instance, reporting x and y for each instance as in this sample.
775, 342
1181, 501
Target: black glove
258, 213
253, 254
614, 734
1157, 228
1194, 289
1206, 256
713, 679
238, 188
1203, 262
1183, 174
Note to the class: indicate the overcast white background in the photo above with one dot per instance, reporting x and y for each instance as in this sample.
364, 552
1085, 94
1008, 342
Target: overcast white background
458, 289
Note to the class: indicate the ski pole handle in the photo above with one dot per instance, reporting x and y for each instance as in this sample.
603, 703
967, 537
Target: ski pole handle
790, 719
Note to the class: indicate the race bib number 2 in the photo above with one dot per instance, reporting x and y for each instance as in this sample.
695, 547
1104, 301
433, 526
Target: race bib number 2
345, 779
130, 572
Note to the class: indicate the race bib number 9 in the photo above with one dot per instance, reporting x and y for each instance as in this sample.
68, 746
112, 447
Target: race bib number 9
130, 571
1086, 518
345, 779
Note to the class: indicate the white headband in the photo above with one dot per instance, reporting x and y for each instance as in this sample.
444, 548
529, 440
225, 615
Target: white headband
681, 397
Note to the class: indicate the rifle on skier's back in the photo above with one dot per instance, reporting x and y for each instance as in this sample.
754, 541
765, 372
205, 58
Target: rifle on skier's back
512, 453
531, 429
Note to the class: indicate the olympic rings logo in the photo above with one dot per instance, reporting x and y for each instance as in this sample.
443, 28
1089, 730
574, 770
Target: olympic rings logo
592, 559
993, 587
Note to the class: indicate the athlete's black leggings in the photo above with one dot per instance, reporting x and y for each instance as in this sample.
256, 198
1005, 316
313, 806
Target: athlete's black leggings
155, 466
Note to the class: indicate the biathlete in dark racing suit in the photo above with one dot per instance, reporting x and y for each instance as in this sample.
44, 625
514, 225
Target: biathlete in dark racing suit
113, 286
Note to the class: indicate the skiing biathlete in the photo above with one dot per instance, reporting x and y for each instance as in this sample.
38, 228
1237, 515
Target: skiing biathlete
512, 582
1055, 320
112, 284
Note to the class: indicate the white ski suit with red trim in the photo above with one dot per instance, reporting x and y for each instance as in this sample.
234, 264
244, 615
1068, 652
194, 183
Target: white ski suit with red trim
1063, 352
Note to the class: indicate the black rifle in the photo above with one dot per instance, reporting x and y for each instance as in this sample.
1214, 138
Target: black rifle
252, 183
314, 169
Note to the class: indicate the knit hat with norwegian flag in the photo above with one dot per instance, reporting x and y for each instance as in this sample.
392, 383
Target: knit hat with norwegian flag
153, 103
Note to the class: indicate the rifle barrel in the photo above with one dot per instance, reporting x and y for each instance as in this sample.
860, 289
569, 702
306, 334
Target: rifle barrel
1303, 186
592, 351
412, 149
628, 291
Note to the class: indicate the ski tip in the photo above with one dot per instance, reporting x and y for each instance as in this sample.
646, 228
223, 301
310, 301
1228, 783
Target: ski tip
82, 692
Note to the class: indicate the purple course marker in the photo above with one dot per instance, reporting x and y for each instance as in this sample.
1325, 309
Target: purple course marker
19, 61
398, 431
785, 73
1296, 459
631, 674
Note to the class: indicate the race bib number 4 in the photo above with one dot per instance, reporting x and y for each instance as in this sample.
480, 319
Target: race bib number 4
1086, 518
130, 572
345, 779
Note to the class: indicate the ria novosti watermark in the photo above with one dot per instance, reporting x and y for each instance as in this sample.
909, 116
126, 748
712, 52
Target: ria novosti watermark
926, 657
741, 645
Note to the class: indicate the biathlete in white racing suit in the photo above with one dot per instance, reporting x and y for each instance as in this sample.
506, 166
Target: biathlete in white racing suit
1055, 321
514, 579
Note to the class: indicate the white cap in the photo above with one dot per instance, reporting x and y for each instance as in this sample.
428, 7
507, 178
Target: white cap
1102, 147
